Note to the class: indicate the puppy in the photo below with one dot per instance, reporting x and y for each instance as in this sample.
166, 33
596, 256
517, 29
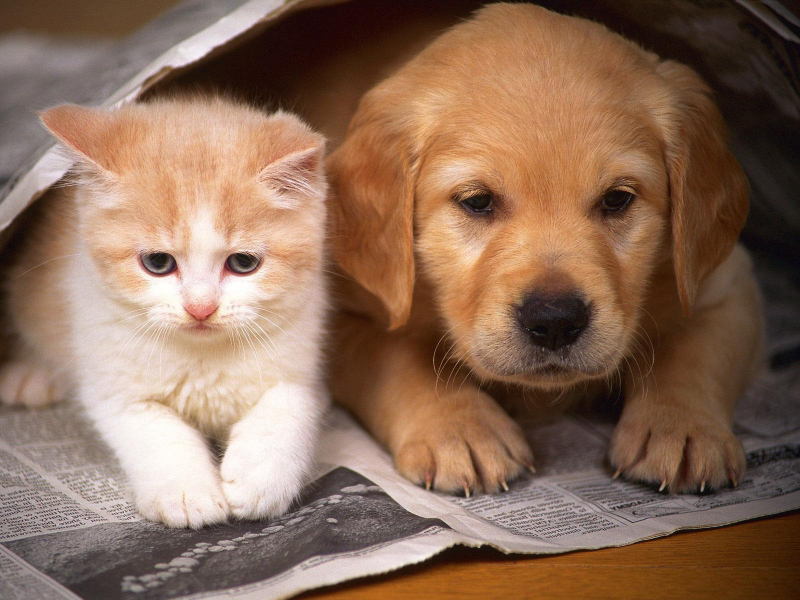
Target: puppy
534, 207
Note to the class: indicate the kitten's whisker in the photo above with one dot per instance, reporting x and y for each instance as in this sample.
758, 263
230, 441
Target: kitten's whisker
41, 264
279, 323
167, 330
274, 354
267, 337
260, 339
230, 337
270, 321
241, 343
138, 329
131, 315
153, 341
269, 312
143, 344
338, 274
287, 338
255, 357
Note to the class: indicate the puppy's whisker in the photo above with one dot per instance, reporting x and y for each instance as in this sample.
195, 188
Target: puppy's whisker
655, 323
466, 378
450, 351
445, 361
652, 352
459, 366
433, 356
463, 355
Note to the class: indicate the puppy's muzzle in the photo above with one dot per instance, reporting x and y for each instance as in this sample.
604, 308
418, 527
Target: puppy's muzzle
553, 322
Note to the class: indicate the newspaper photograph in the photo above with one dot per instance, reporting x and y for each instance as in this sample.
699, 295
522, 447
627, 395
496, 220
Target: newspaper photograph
68, 528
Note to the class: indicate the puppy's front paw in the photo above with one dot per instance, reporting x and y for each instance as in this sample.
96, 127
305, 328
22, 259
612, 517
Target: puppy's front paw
676, 449
258, 484
461, 444
193, 500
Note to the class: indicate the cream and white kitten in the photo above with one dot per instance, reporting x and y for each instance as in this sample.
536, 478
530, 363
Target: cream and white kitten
177, 291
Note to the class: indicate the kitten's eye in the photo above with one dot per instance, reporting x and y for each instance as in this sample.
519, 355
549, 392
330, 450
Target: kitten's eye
243, 263
616, 201
159, 263
480, 203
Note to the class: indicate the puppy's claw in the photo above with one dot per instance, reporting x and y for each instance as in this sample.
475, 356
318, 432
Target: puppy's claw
467, 491
618, 472
428, 480
703, 486
504, 485
732, 476
663, 485
529, 466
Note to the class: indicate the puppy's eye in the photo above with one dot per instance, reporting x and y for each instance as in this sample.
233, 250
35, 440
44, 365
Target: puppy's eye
480, 203
159, 263
242, 263
616, 201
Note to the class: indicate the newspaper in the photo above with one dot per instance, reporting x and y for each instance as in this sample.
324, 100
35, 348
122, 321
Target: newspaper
69, 530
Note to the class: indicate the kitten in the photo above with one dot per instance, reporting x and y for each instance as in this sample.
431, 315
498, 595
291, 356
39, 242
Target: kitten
177, 291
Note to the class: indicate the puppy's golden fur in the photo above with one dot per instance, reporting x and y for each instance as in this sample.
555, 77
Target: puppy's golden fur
527, 160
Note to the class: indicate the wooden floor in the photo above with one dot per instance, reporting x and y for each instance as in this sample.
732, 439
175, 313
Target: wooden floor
760, 559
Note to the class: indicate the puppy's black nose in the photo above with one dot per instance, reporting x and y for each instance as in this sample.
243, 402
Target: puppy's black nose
553, 321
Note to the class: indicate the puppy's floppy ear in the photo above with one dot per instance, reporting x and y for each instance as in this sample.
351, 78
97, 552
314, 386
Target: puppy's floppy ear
372, 180
708, 189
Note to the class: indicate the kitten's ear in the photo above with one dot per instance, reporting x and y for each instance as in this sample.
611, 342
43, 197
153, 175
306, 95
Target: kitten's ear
84, 130
292, 155
297, 174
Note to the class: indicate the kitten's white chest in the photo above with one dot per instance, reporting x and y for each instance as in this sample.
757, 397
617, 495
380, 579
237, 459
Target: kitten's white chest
211, 386
212, 396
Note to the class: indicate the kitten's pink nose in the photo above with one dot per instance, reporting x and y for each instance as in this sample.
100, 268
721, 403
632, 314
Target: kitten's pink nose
201, 311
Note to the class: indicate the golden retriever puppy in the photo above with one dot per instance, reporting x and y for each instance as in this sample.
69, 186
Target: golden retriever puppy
536, 208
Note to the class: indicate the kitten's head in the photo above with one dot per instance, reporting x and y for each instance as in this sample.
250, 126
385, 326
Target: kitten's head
199, 215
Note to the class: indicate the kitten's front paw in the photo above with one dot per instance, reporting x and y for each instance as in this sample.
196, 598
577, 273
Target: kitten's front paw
28, 384
676, 450
188, 502
258, 485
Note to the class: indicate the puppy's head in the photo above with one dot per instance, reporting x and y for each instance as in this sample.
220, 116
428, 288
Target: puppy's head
537, 170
